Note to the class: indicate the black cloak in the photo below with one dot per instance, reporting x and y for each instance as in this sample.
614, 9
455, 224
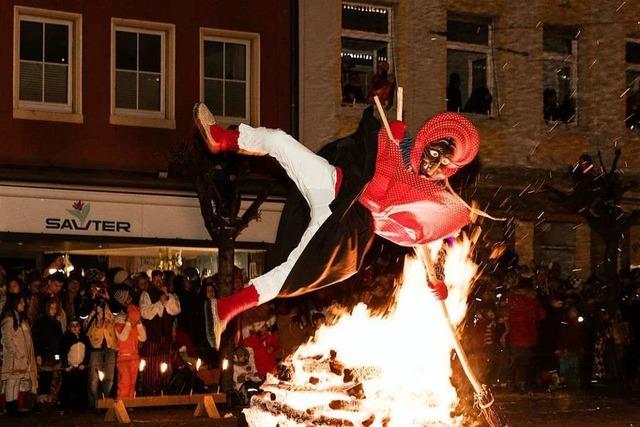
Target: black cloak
337, 250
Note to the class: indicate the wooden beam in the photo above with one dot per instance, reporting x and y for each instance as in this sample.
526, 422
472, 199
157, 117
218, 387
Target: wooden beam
207, 408
171, 400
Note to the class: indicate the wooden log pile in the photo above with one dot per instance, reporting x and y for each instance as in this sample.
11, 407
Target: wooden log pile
314, 391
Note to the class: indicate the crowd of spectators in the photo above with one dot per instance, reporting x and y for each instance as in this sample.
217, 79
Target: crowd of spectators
531, 327
67, 340
70, 340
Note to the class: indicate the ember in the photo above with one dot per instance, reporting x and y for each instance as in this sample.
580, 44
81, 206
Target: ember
369, 370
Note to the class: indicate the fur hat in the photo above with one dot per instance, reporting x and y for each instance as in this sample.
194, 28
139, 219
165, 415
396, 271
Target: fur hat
120, 277
121, 296
448, 125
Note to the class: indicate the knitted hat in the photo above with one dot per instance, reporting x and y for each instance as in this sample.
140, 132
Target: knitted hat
448, 125
120, 277
121, 296
133, 312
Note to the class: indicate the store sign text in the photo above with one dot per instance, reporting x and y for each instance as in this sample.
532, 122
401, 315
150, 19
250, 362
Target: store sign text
93, 225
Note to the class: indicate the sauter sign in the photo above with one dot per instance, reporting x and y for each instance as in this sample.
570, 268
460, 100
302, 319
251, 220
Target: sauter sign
79, 222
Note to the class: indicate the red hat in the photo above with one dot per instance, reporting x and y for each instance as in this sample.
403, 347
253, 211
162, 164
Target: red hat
133, 312
447, 125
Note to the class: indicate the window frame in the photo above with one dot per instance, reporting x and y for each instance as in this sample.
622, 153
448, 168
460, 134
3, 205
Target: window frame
165, 118
629, 67
252, 68
49, 111
555, 56
371, 36
475, 48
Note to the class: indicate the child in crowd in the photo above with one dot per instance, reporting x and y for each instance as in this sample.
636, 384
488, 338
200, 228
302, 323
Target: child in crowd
47, 335
130, 332
19, 372
74, 358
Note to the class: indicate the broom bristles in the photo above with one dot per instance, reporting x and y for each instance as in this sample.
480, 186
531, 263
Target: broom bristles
486, 403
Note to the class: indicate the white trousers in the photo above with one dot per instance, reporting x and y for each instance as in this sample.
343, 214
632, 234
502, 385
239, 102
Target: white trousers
314, 177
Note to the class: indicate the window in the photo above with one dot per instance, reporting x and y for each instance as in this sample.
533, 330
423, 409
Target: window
469, 66
632, 92
366, 53
142, 78
230, 75
556, 241
560, 74
47, 83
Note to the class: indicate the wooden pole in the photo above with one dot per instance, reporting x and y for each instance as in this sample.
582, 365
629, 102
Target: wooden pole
383, 117
400, 103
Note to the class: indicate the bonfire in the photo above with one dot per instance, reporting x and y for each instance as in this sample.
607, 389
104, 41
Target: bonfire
374, 370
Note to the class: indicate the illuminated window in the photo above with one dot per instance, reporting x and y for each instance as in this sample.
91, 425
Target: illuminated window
632, 92
469, 70
366, 55
560, 74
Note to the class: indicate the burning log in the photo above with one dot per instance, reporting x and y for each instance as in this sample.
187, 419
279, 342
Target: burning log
345, 377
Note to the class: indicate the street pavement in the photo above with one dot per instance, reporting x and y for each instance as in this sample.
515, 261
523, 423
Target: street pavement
557, 409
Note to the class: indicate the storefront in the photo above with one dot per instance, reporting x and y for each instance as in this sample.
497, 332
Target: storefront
125, 227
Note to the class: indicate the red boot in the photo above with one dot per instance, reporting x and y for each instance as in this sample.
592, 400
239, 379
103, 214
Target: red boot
225, 309
22, 402
217, 138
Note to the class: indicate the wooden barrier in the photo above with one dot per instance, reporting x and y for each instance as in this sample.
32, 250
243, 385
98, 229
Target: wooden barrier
206, 405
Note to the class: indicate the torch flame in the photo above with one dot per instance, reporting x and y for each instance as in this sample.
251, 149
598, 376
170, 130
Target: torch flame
100, 375
142, 365
225, 364
198, 364
409, 352
163, 367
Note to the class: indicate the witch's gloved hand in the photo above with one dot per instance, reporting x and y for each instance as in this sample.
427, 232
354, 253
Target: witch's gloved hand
438, 289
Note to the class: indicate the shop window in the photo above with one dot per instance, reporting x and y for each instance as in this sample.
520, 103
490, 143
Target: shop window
632, 92
142, 74
46, 65
470, 82
560, 74
230, 71
366, 54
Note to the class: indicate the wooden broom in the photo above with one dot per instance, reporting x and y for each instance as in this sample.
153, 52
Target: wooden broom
483, 396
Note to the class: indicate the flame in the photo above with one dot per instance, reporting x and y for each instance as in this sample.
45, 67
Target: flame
100, 375
198, 364
409, 351
142, 365
225, 364
163, 367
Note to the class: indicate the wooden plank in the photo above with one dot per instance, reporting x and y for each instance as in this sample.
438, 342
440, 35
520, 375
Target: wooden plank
121, 412
172, 400
104, 403
210, 406
110, 415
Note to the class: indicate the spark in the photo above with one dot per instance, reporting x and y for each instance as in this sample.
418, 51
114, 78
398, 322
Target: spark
625, 92
621, 6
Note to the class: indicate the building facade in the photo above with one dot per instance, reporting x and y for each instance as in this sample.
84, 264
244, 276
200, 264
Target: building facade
96, 95
543, 81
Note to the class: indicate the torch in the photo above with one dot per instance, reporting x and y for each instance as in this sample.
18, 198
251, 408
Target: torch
141, 366
225, 366
101, 377
163, 370
484, 397
194, 375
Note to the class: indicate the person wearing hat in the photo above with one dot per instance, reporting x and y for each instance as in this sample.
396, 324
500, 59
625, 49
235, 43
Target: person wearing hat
378, 181
130, 333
